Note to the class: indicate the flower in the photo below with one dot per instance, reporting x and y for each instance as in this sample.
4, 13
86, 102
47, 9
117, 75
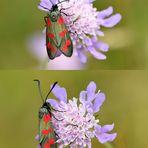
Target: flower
75, 120
84, 23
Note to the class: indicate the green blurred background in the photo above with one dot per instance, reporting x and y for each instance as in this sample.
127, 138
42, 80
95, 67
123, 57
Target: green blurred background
128, 40
126, 104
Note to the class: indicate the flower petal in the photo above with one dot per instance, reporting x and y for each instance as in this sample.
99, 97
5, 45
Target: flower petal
54, 1
97, 128
89, 107
88, 41
45, 3
91, 1
102, 46
100, 133
107, 128
91, 88
96, 54
82, 96
100, 97
61, 146
112, 21
60, 93
81, 55
100, 33
88, 143
53, 103
105, 13
106, 137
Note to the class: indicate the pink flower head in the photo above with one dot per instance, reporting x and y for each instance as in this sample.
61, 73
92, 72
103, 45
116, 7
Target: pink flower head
84, 23
75, 122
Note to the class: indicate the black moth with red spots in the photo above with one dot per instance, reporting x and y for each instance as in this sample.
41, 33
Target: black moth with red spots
47, 135
57, 36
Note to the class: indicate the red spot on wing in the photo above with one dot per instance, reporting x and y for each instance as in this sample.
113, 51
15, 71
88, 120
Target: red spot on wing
65, 46
49, 46
50, 35
50, 130
47, 118
46, 132
51, 141
68, 42
62, 34
47, 145
60, 20
48, 22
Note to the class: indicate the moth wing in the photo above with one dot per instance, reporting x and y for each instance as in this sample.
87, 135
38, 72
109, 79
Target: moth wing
63, 40
41, 127
66, 46
44, 138
51, 48
57, 37
51, 39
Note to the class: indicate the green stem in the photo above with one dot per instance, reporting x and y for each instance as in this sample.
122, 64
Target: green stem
43, 65
108, 145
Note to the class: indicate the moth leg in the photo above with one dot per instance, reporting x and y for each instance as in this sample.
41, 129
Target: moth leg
74, 33
56, 118
67, 14
72, 124
56, 134
45, 19
72, 141
56, 110
65, 8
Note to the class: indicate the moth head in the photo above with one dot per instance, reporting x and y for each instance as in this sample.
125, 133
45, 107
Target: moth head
42, 111
54, 16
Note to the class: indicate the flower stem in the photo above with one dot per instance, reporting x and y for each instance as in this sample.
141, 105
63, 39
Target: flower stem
108, 145
44, 64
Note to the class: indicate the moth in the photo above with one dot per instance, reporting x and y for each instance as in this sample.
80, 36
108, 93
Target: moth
47, 135
57, 36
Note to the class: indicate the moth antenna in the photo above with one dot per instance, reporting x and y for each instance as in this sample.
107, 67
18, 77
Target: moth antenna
51, 90
39, 87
